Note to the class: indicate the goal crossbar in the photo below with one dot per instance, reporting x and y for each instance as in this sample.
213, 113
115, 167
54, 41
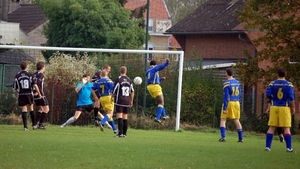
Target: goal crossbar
180, 53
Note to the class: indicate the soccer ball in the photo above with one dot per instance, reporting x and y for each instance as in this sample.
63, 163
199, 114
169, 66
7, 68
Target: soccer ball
137, 80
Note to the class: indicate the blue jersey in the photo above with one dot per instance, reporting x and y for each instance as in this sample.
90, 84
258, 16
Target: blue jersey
280, 92
104, 86
231, 92
152, 73
84, 94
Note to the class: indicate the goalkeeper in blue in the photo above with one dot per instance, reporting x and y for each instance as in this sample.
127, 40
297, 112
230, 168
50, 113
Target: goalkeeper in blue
154, 88
280, 93
231, 105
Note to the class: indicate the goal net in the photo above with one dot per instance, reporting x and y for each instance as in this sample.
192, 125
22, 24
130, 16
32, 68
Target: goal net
65, 67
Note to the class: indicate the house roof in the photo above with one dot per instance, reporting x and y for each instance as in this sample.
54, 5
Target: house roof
28, 15
214, 16
158, 8
14, 57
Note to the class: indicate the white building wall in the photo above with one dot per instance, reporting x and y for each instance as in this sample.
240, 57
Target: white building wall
23, 38
11, 34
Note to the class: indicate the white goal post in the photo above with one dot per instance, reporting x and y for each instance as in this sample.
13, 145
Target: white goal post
180, 53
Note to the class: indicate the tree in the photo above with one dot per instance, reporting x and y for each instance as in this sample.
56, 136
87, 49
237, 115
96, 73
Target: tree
91, 24
181, 8
279, 21
122, 2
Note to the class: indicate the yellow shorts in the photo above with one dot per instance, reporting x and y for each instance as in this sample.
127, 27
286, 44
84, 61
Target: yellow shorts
233, 110
154, 90
280, 116
107, 103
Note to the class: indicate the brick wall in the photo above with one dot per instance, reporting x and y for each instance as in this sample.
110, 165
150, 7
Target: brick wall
222, 46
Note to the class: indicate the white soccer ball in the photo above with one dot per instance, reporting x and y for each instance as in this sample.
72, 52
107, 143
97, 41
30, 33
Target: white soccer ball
137, 80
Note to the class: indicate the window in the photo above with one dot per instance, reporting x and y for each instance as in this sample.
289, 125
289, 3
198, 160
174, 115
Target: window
150, 26
150, 56
150, 47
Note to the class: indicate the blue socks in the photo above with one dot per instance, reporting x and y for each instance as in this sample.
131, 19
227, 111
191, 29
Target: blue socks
164, 114
239, 131
223, 132
112, 123
106, 117
288, 140
240, 134
269, 138
159, 111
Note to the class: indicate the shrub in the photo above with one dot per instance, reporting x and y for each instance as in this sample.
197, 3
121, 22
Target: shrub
8, 102
11, 119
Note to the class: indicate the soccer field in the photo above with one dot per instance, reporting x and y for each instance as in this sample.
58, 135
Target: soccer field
88, 147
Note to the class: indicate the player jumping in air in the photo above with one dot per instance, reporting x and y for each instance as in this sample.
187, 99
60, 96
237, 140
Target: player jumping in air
155, 89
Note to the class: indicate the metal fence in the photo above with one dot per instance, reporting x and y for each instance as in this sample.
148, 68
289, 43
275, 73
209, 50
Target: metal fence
62, 103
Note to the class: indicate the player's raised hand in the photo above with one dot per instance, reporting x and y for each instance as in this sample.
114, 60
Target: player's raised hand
163, 78
84, 80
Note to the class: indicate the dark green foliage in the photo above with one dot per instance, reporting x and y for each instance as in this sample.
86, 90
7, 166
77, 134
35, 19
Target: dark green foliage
201, 96
276, 27
8, 102
90, 24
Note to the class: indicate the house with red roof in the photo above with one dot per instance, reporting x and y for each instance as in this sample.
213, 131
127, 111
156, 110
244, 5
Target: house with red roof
213, 33
159, 22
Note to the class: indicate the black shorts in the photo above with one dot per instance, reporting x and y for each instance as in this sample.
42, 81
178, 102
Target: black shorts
122, 109
87, 108
24, 100
41, 102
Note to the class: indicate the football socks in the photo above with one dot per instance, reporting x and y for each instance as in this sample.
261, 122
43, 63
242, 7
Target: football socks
125, 126
159, 111
24, 119
240, 134
96, 112
112, 124
42, 118
70, 120
164, 114
288, 140
120, 126
38, 116
223, 132
106, 117
269, 138
32, 116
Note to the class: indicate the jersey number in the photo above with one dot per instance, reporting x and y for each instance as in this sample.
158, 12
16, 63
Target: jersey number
25, 84
280, 93
235, 91
102, 89
125, 91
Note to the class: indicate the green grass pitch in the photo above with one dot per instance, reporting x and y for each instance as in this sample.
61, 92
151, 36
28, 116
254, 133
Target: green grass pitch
87, 147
